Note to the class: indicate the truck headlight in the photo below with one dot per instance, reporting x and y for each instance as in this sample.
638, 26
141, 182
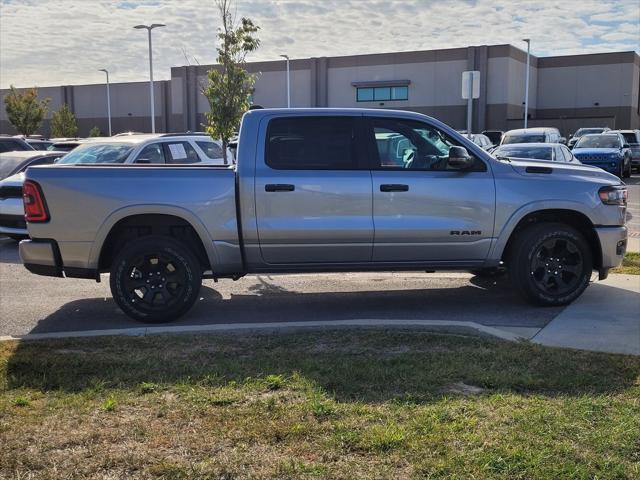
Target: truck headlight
613, 195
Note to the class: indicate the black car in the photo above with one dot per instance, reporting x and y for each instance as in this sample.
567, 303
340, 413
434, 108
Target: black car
13, 144
494, 135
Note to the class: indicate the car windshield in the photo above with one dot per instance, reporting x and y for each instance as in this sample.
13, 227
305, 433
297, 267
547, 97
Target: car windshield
98, 153
538, 153
587, 131
523, 138
599, 141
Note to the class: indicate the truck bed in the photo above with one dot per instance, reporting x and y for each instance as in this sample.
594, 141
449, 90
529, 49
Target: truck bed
85, 202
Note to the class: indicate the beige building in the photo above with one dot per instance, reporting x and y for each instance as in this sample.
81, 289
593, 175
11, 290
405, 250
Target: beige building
567, 91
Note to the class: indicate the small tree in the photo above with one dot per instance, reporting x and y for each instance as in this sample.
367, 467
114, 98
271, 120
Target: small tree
63, 123
24, 110
95, 132
230, 85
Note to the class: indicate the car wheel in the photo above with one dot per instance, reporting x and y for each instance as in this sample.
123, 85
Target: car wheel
155, 279
550, 264
620, 173
627, 172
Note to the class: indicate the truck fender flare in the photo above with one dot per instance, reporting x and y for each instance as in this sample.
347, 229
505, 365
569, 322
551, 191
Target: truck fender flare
500, 242
153, 209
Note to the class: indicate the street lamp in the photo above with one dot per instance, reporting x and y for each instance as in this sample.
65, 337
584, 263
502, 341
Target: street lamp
526, 84
108, 98
149, 28
288, 81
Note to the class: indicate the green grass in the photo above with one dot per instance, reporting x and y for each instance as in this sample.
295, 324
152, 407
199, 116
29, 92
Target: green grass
341, 404
630, 264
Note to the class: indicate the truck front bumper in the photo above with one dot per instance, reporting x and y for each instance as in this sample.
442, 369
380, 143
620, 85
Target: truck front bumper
613, 244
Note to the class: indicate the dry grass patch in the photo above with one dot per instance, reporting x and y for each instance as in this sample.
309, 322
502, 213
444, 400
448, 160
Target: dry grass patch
365, 404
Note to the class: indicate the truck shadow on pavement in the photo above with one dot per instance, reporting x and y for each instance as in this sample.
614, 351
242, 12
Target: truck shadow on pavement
481, 301
371, 365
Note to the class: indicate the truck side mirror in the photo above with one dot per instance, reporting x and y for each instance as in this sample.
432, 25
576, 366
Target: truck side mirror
626, 145
459, 159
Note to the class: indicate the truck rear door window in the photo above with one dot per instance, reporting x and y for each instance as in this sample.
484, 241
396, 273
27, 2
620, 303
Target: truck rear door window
311, 143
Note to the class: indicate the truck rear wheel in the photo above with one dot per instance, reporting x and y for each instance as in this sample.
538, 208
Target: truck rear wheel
155, 279
550, 264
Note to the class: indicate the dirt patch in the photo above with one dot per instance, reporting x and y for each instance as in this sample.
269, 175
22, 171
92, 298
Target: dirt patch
461, 388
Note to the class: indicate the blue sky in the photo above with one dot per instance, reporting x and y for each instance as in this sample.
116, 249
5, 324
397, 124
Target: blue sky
53, 42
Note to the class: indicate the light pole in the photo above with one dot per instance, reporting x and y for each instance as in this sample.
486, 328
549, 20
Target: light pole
108, 98
153, 113
526, 84
288, 81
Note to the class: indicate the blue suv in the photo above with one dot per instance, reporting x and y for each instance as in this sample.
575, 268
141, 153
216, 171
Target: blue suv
608, 151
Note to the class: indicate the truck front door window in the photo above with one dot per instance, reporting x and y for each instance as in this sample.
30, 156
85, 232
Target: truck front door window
404, 144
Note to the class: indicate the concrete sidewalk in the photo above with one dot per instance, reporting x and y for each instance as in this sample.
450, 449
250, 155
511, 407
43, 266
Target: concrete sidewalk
605, 318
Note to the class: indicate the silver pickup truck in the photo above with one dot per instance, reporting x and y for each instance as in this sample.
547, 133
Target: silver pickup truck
325, 190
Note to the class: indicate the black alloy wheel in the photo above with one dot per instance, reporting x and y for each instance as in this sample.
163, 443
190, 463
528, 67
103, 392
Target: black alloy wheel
556, 266
155, 279
550, 263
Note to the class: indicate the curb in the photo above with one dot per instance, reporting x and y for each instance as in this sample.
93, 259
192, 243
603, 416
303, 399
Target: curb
229, 327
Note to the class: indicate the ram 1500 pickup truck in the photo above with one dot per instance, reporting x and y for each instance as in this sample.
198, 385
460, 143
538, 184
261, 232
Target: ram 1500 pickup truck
325, 190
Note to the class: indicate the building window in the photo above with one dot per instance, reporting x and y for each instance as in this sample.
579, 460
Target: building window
381, 94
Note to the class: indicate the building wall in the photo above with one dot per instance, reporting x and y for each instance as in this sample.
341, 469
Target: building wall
563, 91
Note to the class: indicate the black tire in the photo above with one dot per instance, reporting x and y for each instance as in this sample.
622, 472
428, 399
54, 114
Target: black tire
155, 279
627, 172
550, 264
620, 173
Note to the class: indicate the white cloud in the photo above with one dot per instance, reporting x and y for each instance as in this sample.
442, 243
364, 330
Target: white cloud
57, 42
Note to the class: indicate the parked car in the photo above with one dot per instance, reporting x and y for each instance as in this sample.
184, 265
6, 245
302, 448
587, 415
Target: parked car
632, 138
608, 151
479, 139
164, 148
495, 136
325, 190
584, 131
533, 135
65, 145
552, 152
13, 144
12, 223
38, 144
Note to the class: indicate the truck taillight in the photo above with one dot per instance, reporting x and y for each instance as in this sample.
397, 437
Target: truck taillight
35, 208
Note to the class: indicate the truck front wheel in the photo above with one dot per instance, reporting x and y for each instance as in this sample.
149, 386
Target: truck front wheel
155, 279
550, 264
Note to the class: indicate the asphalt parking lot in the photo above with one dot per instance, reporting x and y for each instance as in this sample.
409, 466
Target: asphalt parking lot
36, 304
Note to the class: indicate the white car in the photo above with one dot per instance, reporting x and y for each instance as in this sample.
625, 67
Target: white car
12, 168
161, 149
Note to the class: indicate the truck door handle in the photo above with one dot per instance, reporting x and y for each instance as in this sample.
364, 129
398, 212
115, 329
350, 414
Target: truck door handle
394, 187
279, 187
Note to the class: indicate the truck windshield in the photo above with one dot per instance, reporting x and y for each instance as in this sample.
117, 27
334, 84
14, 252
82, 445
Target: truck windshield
599, 141
98, 153
514, 138
538, 153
